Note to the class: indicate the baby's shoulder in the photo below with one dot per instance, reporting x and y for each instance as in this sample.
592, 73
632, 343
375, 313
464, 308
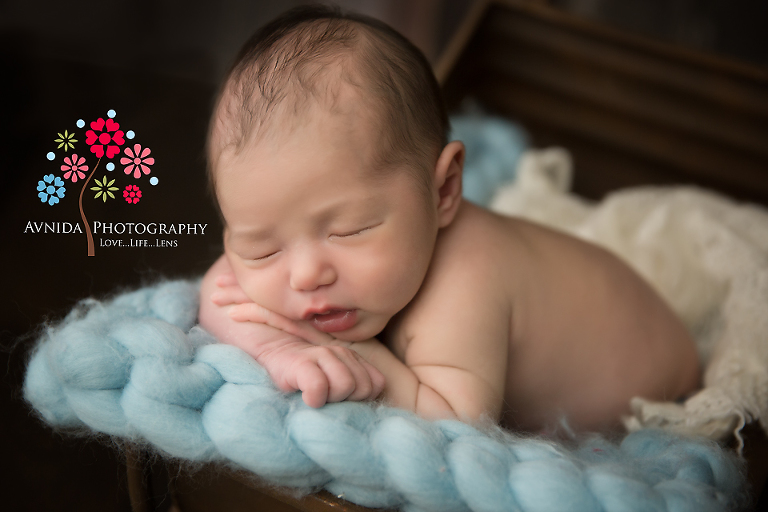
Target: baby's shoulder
480, 245
472, 274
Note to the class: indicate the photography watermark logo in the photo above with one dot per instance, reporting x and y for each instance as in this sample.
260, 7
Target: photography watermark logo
80, 156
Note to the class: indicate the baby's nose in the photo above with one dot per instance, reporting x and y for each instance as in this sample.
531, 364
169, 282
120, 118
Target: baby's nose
310, 272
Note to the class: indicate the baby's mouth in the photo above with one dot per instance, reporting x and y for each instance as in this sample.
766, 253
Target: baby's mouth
334, 320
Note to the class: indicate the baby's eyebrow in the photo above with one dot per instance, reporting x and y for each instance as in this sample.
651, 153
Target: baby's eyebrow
250, 235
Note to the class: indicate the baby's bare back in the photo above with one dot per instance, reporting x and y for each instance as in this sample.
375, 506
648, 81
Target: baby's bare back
583, 332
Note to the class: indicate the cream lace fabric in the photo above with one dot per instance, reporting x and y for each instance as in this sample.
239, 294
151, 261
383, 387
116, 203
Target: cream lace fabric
705, 254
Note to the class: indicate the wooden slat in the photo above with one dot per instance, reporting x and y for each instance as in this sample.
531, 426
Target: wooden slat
663, 114
135, 466
633, 97
219, 488
690, 156
741, 87
458, 43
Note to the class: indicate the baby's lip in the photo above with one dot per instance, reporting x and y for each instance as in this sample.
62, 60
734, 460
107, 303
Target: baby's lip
334, 320
310, 313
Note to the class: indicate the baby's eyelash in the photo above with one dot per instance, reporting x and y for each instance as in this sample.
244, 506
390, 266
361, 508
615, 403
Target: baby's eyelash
357, 232
353, 233
261, 258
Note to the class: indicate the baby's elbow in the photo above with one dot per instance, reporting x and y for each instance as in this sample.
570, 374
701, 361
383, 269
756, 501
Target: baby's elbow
456, 393
205, 312
431, 405
209, 315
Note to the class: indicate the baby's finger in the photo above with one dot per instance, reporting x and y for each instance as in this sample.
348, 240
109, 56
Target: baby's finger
363, 383
229, 295
341, 379
227, 279
252, 312
313, 383
378, 381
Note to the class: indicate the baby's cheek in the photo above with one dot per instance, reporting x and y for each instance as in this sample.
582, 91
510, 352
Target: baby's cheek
393, 282
267, 293
254, 283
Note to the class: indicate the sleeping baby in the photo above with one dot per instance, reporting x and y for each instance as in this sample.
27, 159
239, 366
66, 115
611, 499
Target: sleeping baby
352, 266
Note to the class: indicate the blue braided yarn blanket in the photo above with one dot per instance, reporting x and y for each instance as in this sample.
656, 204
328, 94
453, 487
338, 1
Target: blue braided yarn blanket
137, 368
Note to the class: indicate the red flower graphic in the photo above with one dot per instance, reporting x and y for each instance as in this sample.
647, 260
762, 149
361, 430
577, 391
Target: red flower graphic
98, 141
132, 194
138, 161
74, 168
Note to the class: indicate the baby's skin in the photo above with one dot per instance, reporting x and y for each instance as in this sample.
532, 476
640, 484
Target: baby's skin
326, 372
343, 282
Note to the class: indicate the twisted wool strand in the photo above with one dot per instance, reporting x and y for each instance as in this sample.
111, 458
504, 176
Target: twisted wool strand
136, 368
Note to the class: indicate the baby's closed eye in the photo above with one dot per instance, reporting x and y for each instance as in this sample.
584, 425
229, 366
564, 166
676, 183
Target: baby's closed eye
254, 251
265, 256
354, 232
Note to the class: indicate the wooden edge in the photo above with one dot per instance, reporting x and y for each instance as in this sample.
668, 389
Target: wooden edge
134, 469
460, 39
321, 501
239, 490
640, 41
756, 455
596, 30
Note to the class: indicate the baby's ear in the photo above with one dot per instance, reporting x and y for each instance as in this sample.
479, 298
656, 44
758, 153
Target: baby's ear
448, 171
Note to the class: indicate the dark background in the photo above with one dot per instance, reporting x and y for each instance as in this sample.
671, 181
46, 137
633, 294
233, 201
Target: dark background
157, 64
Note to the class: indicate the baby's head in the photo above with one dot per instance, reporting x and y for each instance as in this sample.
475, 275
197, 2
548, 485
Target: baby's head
328, 158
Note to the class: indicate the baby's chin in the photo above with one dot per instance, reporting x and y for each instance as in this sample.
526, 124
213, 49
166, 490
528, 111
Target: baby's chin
362, 331
354, 335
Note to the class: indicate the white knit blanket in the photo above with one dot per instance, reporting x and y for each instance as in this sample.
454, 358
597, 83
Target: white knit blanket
705, 254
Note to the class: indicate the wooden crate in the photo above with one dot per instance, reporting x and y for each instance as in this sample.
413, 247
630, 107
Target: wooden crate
631, 110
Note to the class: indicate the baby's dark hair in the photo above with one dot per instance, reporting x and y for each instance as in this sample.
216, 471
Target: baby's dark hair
284, 64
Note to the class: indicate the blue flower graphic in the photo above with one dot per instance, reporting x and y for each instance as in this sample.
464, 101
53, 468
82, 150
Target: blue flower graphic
51, 189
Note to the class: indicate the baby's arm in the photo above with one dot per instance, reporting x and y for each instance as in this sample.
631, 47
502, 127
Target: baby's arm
433, 391
454, 364
455, 367
329, 373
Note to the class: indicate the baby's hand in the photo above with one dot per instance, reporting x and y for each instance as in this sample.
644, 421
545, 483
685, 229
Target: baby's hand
323, 368
244, 309
323, 373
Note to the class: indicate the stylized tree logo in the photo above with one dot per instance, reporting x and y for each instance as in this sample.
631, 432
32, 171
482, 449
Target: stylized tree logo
105, 140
